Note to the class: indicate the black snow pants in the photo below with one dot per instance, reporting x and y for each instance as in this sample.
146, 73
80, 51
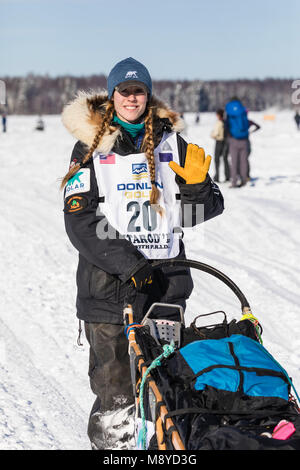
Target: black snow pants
221, 150
109, 373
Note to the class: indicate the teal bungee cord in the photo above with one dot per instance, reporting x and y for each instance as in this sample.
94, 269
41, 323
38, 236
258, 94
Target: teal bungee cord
168, 349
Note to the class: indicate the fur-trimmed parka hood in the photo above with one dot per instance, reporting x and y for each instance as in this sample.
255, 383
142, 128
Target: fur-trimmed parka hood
82, 117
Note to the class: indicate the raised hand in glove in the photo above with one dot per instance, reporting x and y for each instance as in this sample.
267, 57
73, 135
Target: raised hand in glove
143, 277
196, 165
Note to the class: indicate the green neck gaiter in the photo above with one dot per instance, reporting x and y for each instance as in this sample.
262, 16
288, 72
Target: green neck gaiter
132, 129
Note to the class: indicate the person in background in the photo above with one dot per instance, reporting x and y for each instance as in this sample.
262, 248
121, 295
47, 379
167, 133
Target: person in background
221, 147
256, 128
40, 125
237, 126
297, 120
4, 119
127, 137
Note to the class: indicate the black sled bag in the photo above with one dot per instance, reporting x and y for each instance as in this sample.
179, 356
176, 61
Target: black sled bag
226, 393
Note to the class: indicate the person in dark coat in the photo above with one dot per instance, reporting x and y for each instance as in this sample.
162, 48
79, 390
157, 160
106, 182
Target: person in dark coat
255, 127
4, 120
40, 125
221, 147
130, 175
297, 120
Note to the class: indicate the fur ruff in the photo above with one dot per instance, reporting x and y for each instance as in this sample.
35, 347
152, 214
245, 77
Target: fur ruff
84, 114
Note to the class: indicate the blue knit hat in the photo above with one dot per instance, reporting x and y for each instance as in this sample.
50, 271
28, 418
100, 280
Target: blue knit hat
128, 70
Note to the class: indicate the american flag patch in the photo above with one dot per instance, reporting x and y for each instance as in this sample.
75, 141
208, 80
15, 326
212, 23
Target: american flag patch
109, 159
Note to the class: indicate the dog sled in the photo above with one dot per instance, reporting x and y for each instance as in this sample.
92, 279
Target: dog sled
212, 387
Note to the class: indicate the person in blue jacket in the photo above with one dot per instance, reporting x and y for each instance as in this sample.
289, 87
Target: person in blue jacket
237, 127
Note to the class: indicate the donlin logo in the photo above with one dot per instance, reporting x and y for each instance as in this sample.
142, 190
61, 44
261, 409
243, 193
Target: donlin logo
138, 168
139, 171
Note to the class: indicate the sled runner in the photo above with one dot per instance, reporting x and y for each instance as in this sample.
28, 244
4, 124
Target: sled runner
208, 388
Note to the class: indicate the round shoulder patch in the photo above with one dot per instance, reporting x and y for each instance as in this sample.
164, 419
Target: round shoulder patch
75, 204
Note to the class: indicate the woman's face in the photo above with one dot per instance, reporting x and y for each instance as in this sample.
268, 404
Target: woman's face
130, 103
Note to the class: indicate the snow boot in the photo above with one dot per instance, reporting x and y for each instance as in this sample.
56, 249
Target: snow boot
112, 430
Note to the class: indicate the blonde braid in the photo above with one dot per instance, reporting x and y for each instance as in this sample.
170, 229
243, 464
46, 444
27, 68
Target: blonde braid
100, 133
148, 148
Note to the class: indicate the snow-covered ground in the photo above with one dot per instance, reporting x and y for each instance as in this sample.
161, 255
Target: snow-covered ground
45, 397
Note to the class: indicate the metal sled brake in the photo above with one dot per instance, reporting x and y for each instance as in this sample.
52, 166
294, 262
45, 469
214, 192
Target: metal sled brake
179, 393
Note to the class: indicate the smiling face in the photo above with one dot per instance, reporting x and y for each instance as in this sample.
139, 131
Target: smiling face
130, 103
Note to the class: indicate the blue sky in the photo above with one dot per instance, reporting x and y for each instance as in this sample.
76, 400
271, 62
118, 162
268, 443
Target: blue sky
187, 39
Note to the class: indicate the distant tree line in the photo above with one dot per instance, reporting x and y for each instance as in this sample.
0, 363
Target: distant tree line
36, 94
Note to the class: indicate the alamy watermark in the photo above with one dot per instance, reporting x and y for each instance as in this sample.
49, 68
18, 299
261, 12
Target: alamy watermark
142, 226
296, 93
2, 92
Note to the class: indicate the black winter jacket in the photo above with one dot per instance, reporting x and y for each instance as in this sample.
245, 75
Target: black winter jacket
106, 266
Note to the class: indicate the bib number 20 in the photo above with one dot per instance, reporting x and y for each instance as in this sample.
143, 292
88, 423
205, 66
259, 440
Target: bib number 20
149, 216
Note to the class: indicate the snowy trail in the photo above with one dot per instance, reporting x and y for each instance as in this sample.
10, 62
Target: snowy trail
45, 397
27, 415
44, 372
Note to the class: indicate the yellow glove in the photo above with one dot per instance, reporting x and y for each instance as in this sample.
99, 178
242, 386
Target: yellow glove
196, 165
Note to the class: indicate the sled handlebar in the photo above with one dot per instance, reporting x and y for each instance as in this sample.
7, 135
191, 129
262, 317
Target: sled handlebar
210, 270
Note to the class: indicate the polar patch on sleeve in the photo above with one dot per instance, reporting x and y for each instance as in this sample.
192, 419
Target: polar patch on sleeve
79, 183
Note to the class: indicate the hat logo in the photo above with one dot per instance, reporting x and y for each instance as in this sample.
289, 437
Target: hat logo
131, 74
